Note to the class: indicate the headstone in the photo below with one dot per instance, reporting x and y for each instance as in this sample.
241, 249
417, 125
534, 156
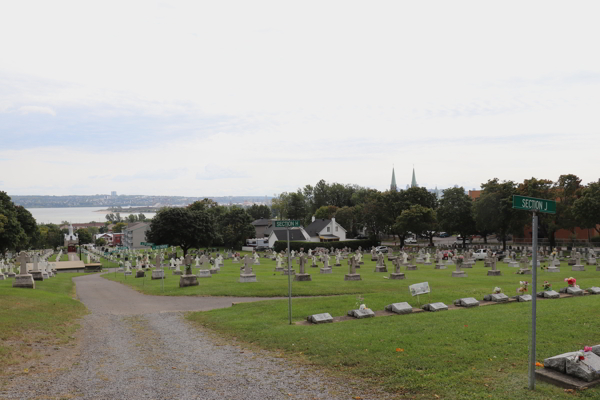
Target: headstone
399, 308
320, 318
188, 278
435, 307
458, 273
494, 271
326, 268
559, 362
247, 275
380, 267
467, 302
549, 294
359, 314
594, 290
36, 272
587, 369
496, 297
575, 291
301, 276
524, 298
397, 274
352, 275
159, 272
23, 280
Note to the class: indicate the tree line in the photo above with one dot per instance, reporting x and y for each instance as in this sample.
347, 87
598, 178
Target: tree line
417, 211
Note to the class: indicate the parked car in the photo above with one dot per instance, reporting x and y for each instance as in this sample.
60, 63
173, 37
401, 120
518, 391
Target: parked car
410, 240
443, 234
361, 237
481, 254
381, 249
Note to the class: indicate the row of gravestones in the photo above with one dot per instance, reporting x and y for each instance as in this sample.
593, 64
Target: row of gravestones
41, 269
467, 302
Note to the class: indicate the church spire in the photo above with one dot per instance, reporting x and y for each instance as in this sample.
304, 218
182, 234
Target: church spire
393, 185
413, 183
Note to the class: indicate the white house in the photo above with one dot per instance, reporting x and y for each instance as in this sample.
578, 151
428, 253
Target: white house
325, 230
296, 235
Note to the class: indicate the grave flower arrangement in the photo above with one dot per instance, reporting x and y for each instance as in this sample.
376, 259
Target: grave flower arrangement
459, 260
497, 290
572, 282
360, 302
523, 288
547, 285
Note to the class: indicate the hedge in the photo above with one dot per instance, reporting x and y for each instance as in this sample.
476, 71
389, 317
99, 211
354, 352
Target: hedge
281, 245
595, 239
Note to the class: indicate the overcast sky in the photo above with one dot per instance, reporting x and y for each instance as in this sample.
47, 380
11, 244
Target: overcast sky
211, 98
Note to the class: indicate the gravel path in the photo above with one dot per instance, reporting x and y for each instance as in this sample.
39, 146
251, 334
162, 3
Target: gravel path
134, 346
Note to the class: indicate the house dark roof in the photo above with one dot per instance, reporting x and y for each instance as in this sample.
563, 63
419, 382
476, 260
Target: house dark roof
262, 222
317, 226
295, 234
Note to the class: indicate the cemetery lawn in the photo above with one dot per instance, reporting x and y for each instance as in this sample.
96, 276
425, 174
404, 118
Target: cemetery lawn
63, 257
45, 315
476, 353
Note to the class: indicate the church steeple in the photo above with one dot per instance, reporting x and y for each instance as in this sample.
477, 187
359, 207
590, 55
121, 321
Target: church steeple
413, 183
393, 185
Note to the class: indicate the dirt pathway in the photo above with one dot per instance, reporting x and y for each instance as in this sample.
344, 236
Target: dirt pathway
135, 346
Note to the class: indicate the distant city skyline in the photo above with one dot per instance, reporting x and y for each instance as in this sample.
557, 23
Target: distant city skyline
211, 99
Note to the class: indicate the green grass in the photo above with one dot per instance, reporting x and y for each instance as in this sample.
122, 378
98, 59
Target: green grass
464, 354
63, 257
476, 353
46, 315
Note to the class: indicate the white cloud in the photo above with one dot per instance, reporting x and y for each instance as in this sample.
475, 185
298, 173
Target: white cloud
36, 110
209, 98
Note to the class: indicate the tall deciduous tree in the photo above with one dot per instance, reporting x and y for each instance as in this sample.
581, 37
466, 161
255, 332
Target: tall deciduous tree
84, 236
416, 219
184, 227
586, 209
493, 210
455, 213
259, 211
326, 212
236, 226
11, 232
30, 229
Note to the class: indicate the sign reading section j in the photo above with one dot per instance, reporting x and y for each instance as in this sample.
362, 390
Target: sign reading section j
533, 204
287, 224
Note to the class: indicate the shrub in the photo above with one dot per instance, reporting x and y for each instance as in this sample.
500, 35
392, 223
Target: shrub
281, 245
595, 239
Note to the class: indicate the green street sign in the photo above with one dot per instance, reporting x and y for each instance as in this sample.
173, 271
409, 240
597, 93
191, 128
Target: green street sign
533, 204
291, 223
162, 246
146, 244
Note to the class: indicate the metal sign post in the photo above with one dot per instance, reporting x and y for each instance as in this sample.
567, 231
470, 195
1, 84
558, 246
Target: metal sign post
535, 205
289, 276
533, 302
288, 224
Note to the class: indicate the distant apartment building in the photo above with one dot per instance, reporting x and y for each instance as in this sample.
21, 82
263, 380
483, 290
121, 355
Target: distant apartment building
135, 234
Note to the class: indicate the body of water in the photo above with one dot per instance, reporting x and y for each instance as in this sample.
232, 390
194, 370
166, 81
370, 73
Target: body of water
75, 215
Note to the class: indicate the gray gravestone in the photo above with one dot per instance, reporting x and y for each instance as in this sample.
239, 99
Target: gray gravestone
467, 302
320, 318
435, 307
524, 297
366, 313
400, 308
587, 369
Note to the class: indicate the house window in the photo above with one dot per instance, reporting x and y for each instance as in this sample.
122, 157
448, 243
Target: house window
336, 228
328, 229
